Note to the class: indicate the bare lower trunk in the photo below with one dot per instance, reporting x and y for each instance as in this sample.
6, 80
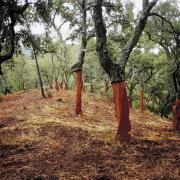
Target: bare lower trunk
121, 109
78, 75
130, 102
176, 115
142, 101
56, 85
61, 85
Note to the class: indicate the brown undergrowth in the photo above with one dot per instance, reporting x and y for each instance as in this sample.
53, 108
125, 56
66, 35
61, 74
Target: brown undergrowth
44, 139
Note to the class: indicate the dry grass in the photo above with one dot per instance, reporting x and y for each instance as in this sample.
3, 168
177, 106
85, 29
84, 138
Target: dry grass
44, 139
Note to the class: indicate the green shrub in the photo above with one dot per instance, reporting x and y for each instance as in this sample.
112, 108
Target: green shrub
136, 104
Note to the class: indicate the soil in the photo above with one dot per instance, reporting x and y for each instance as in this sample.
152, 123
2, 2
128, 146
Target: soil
44, 139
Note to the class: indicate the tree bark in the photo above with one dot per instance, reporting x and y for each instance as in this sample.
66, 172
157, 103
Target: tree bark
56, 85
126, 51
176, 115
121, 109
116, 72
61, 85
77, 67
78, 75
39, 74
142, 101
13, 16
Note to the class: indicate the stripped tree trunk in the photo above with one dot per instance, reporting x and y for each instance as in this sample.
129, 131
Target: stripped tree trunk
142, 97
56, 85
61, 85
77, 68
78, 75
142, 101
121, 109
116, 72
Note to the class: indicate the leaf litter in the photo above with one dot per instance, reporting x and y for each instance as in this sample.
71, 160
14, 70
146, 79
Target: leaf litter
45, 139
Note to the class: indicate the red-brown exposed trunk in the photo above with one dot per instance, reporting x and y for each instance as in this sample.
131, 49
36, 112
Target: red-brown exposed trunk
78, 75
122, 109
56, 85
176, 115
142, 101
61, 85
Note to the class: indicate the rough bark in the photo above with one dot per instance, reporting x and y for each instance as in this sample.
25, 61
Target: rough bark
115, 71
126, 51
39, 74
13, 13
56, 85
176, 115
61, 85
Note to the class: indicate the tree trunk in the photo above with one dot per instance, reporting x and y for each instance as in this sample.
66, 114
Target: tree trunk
142, 101
116, 72
176, 115
56, 85
77, 67
121, 109
130, 102
106, 86
39, 75
61, 85
78, 75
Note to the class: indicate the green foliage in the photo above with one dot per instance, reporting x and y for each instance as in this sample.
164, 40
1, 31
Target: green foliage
148, 58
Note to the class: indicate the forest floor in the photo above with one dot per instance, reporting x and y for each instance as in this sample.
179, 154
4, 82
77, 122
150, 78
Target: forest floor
44, 139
